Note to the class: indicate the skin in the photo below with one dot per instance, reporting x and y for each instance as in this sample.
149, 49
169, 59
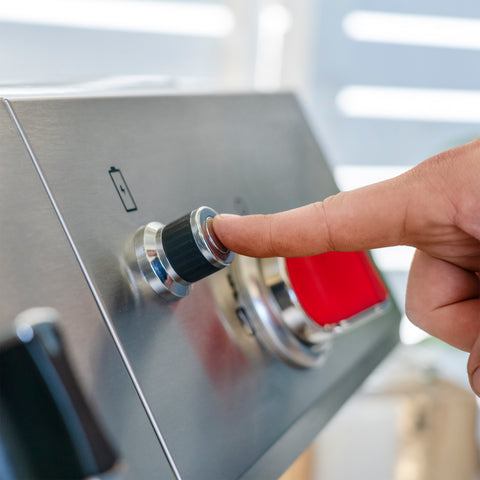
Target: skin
434, 207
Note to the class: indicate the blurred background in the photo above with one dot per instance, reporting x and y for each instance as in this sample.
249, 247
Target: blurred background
384, 85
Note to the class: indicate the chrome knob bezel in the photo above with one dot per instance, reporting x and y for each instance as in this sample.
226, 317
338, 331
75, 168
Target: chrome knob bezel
261, 289
267, 319
154, 264
206, 240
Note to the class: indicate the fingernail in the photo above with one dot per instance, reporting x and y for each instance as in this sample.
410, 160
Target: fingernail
476, 381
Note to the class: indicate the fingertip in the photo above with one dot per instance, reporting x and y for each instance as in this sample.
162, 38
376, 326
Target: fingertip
243, 234
222, 225
223, 220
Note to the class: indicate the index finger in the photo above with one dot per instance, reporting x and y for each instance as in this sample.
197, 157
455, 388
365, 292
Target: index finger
369, 217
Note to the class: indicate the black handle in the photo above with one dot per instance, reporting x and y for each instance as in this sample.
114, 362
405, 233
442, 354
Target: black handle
49, 431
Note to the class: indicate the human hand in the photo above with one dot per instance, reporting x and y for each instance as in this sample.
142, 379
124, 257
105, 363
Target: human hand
434, 207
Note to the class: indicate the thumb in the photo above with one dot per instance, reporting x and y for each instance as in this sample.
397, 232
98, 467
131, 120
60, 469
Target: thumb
369, 217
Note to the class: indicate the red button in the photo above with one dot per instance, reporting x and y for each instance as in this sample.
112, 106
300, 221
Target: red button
336, 286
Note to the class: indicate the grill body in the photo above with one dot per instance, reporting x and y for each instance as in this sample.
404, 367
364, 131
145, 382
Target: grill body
161, 373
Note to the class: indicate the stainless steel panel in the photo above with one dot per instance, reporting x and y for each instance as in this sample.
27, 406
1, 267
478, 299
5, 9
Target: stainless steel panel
227, 409
38, 268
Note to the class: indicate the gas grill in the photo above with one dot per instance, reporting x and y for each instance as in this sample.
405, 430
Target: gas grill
152, 351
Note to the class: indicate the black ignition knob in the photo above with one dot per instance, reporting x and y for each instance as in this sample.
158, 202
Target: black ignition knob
184, 251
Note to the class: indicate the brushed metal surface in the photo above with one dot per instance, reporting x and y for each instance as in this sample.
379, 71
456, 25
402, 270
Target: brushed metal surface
38, 269
227, 409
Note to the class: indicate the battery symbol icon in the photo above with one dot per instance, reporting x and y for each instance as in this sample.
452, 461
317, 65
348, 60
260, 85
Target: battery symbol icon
122, 189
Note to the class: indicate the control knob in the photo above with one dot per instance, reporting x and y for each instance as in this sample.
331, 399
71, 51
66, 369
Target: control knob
173, 256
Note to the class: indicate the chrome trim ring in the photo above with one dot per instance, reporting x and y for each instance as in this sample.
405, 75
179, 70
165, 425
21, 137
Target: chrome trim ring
262, 289
206, 240
266, 319
154, 265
